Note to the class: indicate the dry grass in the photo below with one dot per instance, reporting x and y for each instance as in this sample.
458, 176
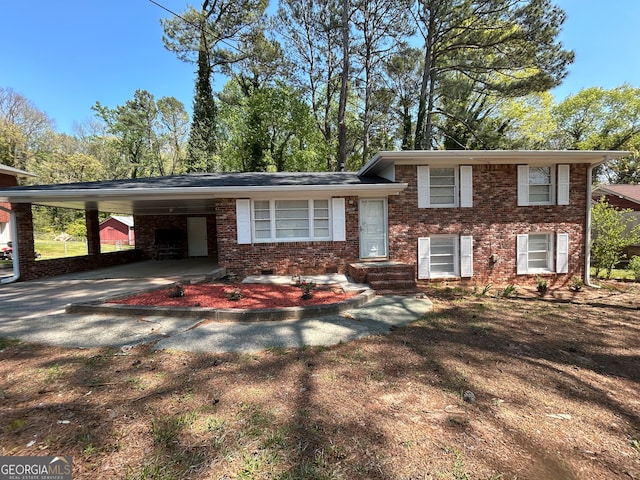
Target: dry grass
556, 389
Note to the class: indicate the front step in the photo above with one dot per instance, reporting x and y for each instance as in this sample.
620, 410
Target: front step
385, 277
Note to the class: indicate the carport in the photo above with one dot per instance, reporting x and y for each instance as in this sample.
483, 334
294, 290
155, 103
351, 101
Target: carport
170, 216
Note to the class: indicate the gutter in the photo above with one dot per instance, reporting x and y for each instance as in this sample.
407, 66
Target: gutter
14, 242
587, 235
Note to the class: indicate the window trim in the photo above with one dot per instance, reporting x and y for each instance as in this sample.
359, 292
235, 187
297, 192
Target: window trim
559, 191
455, 186
310, 219
556, 254
462, 261
463, 187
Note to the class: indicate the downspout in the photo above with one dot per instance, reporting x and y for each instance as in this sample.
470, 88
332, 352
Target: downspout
14, 243
587, 236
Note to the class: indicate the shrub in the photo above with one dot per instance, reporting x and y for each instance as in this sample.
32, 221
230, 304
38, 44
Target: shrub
634, 266
576, 284
541, 285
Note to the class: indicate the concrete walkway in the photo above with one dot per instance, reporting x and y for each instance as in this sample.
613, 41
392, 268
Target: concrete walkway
34, 312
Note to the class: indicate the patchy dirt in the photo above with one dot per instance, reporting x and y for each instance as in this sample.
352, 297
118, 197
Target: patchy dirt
523, 388
247, 295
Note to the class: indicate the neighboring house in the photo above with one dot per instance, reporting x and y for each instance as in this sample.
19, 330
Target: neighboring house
474, 217
624, 197
8, 178
117, 229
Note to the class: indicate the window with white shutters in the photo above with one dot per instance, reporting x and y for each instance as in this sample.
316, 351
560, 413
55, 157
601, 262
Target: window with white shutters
445, 256
445, 187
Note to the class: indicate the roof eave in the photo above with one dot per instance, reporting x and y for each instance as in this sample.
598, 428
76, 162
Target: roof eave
488, 157
35, 196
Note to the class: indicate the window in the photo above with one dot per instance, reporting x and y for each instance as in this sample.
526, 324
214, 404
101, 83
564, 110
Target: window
540, 253
445, 187
290, 220
538, 185
536, 253
443, 256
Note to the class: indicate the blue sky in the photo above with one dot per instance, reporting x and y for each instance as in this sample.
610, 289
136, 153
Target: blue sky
65, 55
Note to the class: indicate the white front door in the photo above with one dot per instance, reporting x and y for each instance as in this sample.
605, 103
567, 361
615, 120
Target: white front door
373, 228
197, 236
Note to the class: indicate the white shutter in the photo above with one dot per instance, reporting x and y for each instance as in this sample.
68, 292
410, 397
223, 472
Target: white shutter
563, 184
423, 187
338, 220
466, 186
522, 256
243, 220
562, 253
466, 256
424, 252
523, 185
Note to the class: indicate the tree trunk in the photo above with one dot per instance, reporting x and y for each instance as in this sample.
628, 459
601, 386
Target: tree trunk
344, 89
420, 142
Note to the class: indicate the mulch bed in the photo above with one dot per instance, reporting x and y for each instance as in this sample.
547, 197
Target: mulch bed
253, 296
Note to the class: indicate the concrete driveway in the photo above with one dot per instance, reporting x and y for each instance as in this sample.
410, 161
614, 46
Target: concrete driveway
34, 312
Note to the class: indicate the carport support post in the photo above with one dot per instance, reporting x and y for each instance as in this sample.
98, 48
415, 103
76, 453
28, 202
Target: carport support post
24, 229
93, 232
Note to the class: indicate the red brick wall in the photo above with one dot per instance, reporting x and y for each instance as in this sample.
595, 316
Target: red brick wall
6, 181
493, 221
284, 258
5, 216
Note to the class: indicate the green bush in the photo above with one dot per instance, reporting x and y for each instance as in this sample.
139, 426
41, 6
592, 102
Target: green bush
634, 266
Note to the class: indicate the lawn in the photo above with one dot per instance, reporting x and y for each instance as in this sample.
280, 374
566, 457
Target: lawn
56, 249
616, 274
523, 388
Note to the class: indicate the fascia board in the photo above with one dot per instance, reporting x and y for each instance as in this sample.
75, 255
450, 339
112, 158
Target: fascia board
490, 157
34, 196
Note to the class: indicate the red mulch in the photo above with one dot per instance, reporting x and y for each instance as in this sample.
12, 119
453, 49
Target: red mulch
253, 296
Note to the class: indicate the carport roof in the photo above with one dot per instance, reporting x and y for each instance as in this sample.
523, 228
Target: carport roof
196, 192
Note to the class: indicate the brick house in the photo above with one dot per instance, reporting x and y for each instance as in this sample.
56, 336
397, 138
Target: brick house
8, 178
472, 217
624, 197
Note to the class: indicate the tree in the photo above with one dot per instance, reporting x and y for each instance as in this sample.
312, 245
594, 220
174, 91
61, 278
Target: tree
401, 71
379, 26
502, 46
311, 31
66, 161
531, 123
471, 119
24, 130
611, 233
599, 119
209, 37
132, 127
175, 122
345, 26
145, 135
271, 129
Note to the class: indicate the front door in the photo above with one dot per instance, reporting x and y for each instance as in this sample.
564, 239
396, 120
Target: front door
373, 228
197, 236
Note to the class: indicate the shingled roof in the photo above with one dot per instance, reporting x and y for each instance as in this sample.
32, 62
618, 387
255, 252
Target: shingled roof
196, 192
